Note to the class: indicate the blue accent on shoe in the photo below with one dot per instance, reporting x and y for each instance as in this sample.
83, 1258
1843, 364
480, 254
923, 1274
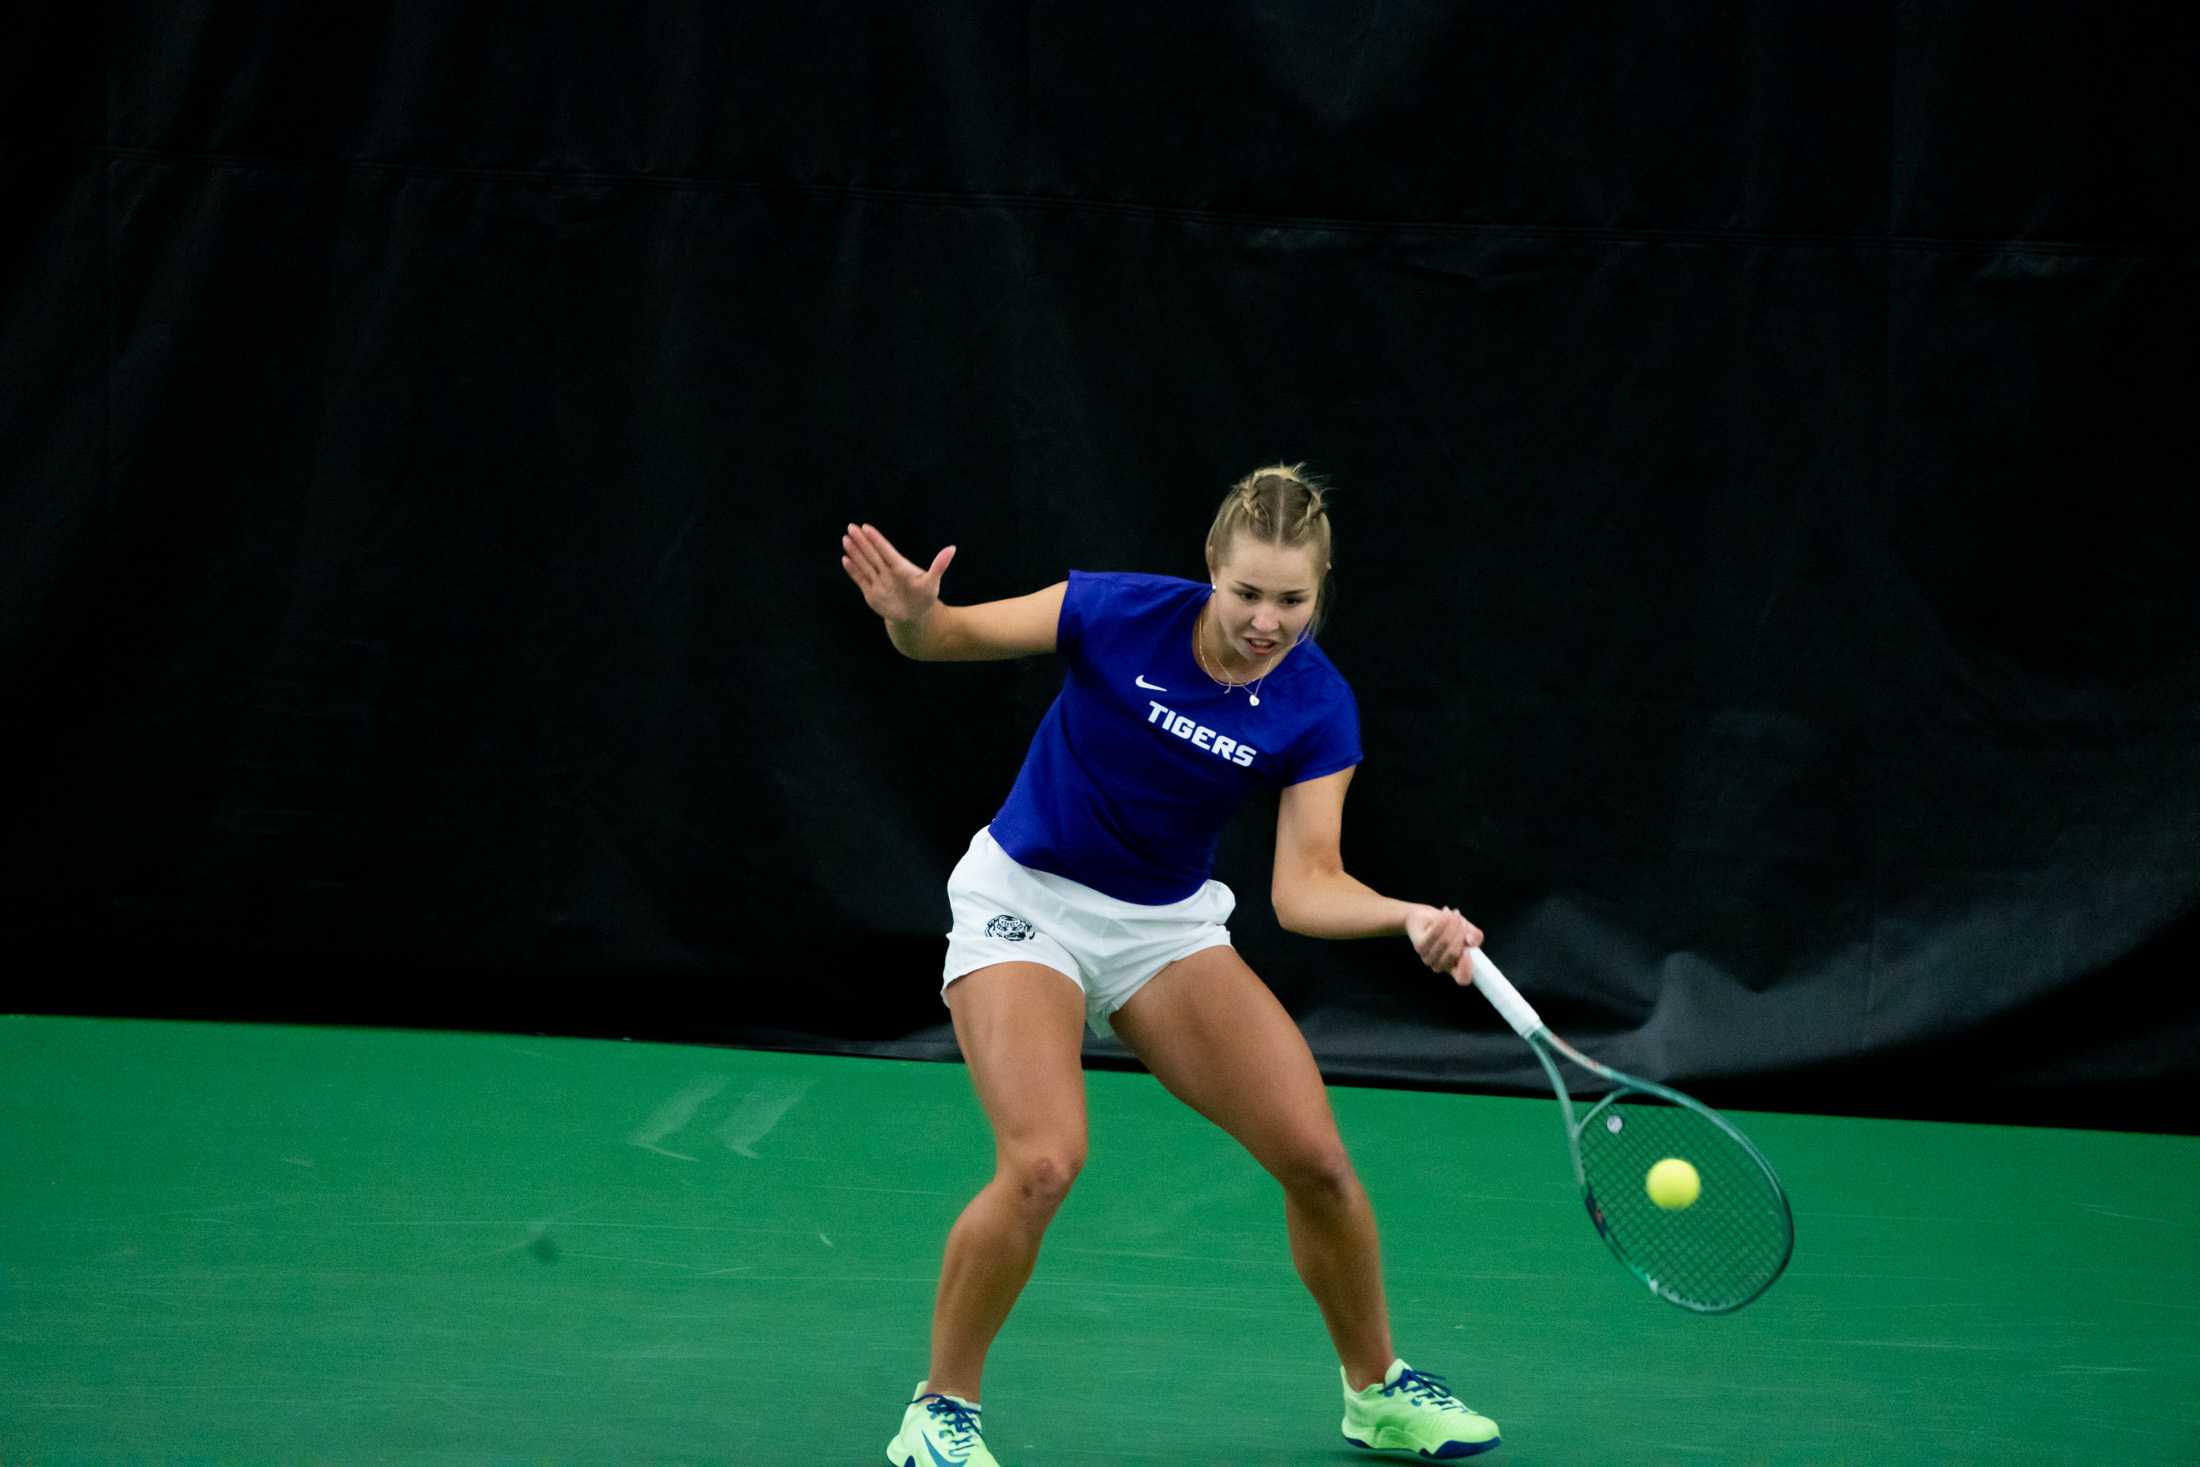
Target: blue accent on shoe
960, 1421
1418, 1385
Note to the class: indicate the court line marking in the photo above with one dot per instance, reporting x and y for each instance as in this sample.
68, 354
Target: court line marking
2099, 1211
851, 1187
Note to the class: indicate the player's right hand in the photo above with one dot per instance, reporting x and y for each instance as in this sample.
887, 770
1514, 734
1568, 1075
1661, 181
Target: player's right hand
1440, 938
890, 582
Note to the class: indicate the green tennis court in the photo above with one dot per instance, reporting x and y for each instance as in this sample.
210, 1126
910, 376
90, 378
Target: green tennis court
244, 1244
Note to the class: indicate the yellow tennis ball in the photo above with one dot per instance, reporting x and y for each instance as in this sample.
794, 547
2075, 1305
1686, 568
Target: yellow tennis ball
1673, 1184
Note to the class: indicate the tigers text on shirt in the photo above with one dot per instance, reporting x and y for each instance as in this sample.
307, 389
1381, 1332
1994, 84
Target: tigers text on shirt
1202, 737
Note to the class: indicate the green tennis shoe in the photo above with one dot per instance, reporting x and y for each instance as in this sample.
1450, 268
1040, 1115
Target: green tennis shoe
939, 1431
1407, 1411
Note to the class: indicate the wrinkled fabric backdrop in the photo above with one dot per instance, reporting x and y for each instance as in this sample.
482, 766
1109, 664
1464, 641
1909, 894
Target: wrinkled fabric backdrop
1763, 439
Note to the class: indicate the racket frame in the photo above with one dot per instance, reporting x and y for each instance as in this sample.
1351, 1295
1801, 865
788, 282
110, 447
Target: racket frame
1525, 1022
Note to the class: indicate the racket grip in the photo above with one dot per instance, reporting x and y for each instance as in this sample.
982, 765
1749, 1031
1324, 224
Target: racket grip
1503, 997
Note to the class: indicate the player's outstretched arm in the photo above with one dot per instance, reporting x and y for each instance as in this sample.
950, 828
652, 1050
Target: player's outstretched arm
923, 627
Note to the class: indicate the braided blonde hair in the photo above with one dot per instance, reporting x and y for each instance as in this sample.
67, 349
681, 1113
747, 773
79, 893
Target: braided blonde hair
1278, 505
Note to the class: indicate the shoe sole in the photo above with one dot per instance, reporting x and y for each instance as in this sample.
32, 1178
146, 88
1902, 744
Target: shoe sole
1448, 1452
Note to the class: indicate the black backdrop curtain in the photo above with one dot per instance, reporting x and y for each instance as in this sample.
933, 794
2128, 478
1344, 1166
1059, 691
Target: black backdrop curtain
1763, 436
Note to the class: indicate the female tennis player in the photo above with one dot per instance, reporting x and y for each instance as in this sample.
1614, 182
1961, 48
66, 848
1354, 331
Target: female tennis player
1087, 901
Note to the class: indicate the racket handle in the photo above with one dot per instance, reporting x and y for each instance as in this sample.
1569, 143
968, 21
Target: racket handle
1503, 997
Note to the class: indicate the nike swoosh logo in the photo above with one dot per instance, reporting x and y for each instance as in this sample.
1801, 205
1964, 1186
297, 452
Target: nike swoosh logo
935, 1451
1149, 687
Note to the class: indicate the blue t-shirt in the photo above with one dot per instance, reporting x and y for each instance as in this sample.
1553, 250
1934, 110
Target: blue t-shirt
1143, 758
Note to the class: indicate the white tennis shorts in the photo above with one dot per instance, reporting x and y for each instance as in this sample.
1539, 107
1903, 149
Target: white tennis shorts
1006, 913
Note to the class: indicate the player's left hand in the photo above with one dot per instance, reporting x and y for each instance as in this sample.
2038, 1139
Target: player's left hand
1440, 938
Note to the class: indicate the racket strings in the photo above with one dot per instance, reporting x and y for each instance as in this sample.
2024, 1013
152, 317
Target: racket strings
1717, 1253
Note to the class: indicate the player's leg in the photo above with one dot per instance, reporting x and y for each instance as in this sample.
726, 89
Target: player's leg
1021, 1028
1212, 1033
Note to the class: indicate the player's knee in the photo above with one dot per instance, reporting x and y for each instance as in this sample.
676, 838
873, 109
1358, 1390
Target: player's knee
1317, 1173
1041, 1177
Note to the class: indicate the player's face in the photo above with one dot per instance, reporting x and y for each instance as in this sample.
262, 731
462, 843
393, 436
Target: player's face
1264, 598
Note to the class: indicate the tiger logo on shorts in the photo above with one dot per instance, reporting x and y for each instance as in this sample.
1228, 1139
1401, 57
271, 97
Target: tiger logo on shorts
1010, 929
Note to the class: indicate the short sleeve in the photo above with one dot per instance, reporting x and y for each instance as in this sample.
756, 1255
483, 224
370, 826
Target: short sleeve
1081, 602
1331, 744
1098, 605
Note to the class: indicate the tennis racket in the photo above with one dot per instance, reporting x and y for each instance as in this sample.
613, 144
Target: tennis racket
1713, 1255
